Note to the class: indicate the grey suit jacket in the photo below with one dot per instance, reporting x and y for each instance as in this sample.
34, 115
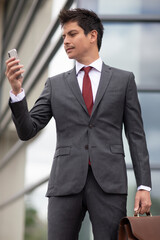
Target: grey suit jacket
81, 137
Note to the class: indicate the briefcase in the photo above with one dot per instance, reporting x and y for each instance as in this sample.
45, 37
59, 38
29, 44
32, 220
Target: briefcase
139, 228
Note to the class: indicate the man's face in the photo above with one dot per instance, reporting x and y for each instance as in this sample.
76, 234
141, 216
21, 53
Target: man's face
76, 43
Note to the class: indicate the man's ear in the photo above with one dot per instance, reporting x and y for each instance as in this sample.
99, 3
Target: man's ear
93, 36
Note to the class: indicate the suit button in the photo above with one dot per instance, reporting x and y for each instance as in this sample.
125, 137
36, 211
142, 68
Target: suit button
90, 125
86, 147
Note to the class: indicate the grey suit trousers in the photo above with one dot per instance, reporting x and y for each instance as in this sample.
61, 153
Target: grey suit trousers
66, 213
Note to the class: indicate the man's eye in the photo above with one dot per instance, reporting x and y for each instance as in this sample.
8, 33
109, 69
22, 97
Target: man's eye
73, 34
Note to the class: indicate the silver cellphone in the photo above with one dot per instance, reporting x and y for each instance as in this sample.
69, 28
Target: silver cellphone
13, 53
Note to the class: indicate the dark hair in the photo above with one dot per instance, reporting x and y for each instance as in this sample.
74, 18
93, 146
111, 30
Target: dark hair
87, 20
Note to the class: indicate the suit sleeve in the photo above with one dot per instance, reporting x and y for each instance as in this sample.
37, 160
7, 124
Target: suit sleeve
28, 124
135, 134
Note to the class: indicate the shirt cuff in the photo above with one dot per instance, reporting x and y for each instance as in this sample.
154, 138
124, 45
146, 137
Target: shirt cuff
17, 98
142, 187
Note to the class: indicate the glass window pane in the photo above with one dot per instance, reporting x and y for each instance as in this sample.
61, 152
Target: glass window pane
150, 103
134, 47
155, 193
128, 7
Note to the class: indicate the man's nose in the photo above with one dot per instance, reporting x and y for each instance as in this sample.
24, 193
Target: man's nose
66, 40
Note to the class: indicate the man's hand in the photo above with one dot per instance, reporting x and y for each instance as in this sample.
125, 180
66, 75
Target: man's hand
142, 202
13, 70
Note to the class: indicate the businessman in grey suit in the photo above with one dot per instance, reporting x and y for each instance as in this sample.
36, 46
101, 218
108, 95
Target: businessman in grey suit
90, 104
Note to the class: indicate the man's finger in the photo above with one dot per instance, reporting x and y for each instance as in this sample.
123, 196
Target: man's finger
136, 204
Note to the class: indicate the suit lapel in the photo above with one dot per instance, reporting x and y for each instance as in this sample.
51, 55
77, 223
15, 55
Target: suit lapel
104, 81
103, 84
73, 84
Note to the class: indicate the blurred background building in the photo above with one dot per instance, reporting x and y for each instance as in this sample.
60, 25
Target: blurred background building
131, 41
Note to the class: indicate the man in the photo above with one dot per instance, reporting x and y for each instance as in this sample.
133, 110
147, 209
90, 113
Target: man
90, 106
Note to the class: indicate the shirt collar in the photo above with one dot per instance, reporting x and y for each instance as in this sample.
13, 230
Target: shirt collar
97, 64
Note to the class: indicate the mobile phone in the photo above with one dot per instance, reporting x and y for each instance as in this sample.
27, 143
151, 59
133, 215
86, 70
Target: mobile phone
13, 53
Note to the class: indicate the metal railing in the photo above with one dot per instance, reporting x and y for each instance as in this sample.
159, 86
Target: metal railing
133, 18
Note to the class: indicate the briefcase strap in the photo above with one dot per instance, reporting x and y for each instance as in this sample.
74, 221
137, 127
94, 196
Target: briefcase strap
147, 214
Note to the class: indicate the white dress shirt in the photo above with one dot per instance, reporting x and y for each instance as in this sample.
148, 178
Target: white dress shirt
94, 74
17, 98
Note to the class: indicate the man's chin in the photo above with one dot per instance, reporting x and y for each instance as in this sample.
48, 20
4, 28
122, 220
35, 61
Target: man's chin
70, 56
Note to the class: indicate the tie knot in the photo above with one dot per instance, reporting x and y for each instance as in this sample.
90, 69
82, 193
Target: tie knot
86, 69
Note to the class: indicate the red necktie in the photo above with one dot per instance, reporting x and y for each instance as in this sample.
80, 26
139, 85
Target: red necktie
87, 90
